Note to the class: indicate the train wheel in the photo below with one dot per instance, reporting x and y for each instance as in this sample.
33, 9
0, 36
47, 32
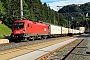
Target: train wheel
42, 38
24, 39
33, 38
45, 37
39, 37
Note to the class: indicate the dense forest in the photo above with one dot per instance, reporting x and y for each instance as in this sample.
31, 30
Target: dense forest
33, 9
69, 16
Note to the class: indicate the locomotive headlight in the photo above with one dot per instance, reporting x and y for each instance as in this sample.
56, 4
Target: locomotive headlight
23, 31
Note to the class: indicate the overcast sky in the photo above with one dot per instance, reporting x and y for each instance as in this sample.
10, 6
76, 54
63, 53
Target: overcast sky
54, 3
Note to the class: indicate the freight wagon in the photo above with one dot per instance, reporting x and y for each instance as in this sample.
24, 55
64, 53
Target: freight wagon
55, 30
82, 30
70, 31
64, 31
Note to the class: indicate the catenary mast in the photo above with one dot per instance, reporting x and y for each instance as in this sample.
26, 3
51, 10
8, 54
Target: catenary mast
21, 8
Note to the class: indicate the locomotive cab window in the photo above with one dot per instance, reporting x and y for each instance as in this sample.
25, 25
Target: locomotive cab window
18, 25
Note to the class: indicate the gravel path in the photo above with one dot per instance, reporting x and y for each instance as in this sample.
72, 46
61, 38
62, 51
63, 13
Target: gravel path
79, 54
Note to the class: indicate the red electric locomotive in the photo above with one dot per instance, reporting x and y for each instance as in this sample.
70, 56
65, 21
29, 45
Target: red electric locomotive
26, 29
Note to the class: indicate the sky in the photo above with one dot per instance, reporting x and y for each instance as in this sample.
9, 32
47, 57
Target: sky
54, 3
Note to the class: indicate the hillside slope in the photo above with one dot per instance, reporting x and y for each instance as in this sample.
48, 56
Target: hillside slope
4, 30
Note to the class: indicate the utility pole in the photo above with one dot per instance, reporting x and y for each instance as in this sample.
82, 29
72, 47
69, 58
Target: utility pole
48, 13
59, 7
21, 10
58, 13
86, 16
54, 17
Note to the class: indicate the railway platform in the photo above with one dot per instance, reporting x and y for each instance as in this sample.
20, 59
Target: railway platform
38, 53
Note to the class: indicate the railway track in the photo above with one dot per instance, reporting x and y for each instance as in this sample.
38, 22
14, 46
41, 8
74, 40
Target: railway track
71, 51
20, 44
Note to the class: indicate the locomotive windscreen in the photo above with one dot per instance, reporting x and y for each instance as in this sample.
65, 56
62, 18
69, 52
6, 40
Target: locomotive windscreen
18, 25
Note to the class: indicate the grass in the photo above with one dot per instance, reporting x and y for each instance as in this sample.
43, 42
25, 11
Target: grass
4, 30
59, 51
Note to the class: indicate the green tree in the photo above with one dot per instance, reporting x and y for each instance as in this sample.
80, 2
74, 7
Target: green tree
2, 11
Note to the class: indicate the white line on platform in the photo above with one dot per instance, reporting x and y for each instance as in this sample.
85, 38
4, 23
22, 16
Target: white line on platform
38, 53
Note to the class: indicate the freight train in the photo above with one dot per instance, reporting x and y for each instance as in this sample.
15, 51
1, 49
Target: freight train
27, 29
